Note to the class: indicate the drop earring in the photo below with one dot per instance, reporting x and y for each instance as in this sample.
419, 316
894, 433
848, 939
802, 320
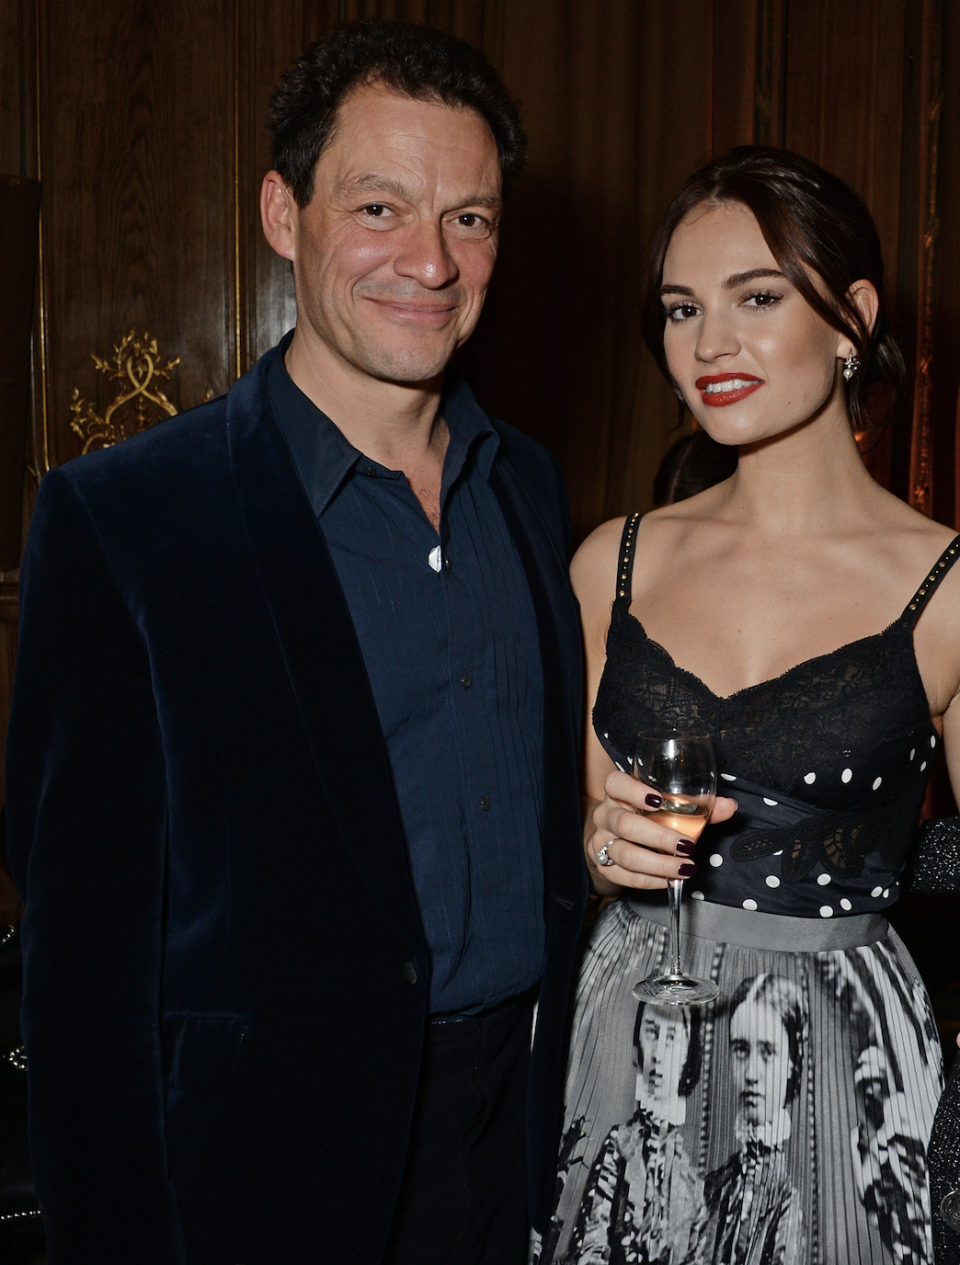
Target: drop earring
850, 365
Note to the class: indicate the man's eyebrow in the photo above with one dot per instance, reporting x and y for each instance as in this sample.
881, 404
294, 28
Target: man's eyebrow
372, 182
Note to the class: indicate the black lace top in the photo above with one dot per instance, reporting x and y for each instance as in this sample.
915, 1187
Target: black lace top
829, 762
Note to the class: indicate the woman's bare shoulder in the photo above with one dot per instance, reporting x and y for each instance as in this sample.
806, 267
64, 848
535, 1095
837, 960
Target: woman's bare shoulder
593, 571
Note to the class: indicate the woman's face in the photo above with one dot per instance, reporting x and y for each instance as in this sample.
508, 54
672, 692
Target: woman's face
760, 1054
664, 1044
749, 354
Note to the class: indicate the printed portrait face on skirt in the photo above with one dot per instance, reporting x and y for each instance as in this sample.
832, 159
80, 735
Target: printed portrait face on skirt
668, 1060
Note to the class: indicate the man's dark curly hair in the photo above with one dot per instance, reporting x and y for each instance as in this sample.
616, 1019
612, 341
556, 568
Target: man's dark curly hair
416, 61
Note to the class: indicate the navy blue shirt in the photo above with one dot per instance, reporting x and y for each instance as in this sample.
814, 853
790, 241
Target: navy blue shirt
448, 634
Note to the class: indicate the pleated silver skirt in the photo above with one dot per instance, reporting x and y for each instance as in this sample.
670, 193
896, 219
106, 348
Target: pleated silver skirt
787, 1122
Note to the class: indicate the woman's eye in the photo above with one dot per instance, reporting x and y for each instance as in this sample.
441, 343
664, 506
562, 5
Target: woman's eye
763, 299
681, 312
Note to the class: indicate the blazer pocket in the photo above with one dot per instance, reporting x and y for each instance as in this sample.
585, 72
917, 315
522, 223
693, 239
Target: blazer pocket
201, 1052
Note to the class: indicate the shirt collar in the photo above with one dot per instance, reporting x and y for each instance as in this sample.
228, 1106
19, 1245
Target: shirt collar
325, 458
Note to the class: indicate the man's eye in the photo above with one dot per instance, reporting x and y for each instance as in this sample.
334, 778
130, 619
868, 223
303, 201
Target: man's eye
376, 209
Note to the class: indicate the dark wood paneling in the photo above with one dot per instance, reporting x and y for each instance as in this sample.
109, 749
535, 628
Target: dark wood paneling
136, 136
271, 37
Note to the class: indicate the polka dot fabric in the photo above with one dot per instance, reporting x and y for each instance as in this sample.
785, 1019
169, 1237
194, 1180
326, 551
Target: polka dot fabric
829, 762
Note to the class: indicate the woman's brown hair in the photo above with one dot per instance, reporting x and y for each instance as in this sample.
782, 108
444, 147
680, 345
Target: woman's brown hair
810, 220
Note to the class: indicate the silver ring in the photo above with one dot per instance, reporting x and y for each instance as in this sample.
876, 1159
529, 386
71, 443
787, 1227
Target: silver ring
603, 856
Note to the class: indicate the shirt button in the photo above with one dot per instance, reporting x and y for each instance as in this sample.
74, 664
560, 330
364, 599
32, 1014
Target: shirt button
369, 471
409, 972
485, 803
466, 680
446, 563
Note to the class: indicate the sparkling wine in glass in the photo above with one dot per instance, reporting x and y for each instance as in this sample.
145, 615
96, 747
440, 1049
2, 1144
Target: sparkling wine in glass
678, 765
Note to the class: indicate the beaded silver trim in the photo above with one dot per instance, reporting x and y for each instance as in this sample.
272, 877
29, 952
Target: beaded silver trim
17, 1058
936, 575
625, 559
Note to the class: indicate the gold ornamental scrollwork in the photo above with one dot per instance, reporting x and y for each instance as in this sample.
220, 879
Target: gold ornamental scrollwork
139, 402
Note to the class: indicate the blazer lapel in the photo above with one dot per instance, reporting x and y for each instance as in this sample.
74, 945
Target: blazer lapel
321, 652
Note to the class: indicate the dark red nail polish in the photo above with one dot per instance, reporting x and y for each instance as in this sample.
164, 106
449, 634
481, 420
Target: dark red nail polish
653, 801
687, 870
686, 846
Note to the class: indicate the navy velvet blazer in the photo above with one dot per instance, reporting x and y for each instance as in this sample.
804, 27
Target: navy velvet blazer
225, 973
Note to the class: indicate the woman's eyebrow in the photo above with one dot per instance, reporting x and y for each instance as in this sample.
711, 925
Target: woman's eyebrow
733, 282
744, 278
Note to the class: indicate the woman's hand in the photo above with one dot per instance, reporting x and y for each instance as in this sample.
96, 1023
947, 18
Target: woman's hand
644, 853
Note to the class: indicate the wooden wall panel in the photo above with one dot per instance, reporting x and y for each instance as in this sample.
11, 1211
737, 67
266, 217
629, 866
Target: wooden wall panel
138, 223
270, 39
844, 107
558, 352
17, 67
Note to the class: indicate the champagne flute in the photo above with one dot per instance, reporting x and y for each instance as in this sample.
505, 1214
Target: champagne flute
680, 767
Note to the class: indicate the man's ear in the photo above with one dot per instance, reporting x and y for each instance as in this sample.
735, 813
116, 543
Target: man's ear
278, 214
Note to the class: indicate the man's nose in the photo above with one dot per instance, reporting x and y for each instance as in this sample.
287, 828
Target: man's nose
425, 256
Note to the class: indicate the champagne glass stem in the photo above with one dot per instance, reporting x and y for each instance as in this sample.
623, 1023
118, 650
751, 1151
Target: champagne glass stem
676, 889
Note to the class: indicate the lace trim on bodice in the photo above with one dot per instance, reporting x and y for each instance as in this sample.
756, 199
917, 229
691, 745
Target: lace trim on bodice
846, 736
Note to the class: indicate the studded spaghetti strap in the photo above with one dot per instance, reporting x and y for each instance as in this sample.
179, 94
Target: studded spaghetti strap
915, 606
625, 566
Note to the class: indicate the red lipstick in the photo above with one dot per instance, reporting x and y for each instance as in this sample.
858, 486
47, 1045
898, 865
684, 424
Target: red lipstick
747, 384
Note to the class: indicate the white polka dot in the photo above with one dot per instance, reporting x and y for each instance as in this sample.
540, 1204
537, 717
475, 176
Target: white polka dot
772, 881
697, 895
779, 854
606, 735
933, 741
823, 879
923, 766
629, 759
886, 893
826, 911
772, 802
749, 904
845, 904
728, 777
913, 752
620, 766
716, 859
877, 891
846, 775
809, 778
876, 783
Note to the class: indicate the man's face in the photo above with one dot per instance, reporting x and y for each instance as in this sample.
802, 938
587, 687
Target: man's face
394, 252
